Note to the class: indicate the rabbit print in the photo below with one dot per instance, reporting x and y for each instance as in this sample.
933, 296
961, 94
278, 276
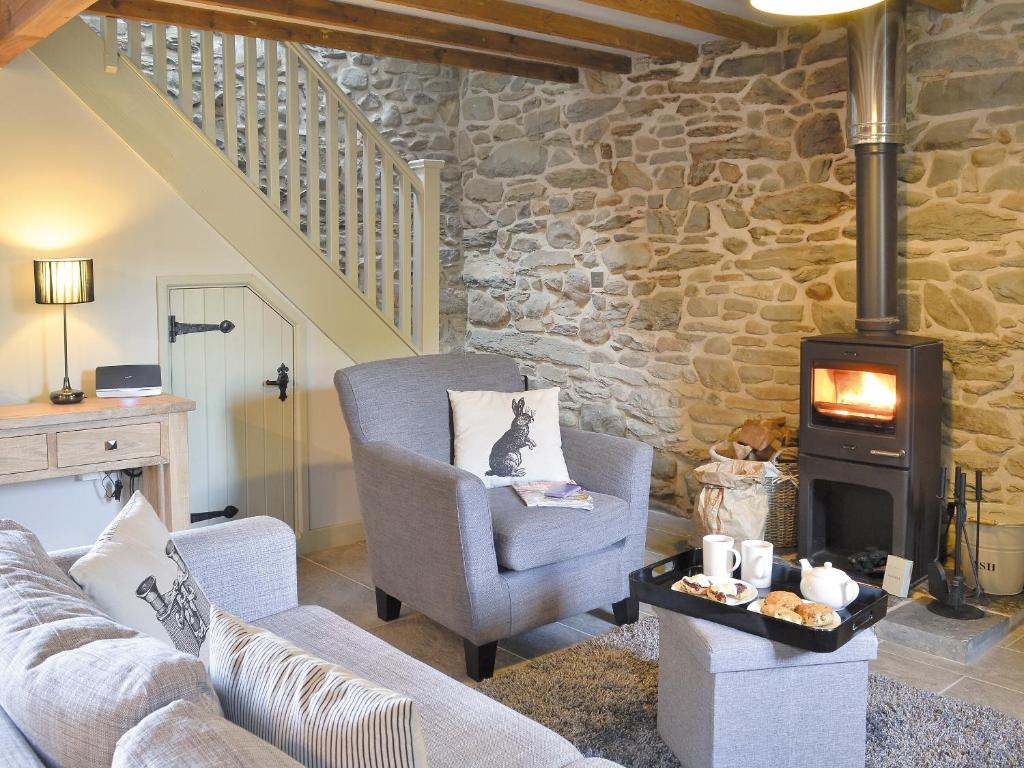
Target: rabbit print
506, 455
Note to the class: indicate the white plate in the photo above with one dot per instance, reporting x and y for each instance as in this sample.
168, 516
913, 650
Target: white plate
729, 600
836, 618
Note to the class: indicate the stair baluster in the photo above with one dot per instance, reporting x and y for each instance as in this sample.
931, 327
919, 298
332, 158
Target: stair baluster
272, 124
332, 160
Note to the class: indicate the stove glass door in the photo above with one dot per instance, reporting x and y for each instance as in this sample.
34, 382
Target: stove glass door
855, 397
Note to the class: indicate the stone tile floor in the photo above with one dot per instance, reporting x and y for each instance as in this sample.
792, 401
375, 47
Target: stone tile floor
339, 579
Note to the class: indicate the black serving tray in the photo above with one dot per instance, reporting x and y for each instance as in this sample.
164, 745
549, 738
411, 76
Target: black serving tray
653, 584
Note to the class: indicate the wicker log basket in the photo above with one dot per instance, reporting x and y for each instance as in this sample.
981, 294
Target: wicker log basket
782, 501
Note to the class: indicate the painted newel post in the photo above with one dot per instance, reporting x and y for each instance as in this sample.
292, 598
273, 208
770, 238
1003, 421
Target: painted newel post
427, 256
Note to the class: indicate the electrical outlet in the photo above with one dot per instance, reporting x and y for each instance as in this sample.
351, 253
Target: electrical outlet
641, 64
91, 477
596, 279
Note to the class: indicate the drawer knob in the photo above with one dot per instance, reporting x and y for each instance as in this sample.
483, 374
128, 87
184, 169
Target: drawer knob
110, 445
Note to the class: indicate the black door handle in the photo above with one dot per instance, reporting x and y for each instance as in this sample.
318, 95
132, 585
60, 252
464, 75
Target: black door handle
229, 511
281, 382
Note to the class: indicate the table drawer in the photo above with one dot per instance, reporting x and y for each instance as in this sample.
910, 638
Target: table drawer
22, 454
107, 444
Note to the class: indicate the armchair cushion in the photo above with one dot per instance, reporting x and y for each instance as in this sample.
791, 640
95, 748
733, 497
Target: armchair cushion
508, 437
529, 537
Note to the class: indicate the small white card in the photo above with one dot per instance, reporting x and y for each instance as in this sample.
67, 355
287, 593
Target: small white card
897, 576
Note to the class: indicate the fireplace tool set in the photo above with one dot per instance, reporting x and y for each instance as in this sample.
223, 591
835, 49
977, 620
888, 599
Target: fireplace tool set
950, 591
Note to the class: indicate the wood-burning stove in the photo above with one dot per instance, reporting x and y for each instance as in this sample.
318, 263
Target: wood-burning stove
871, 402
870, 436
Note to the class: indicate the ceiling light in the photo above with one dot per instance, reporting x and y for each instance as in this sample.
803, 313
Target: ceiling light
811, 7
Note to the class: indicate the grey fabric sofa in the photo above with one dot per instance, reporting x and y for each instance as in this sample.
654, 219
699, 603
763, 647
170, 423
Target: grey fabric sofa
479, 561
248, 567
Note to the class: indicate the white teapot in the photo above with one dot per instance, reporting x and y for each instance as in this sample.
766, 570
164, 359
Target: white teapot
827, 585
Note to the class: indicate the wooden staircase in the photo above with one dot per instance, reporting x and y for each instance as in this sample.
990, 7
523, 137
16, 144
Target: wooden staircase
293, 175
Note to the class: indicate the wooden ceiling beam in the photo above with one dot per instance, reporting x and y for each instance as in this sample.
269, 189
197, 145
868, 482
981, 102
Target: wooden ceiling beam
230, 23
691, 16
945, 6
543, 21
331, 15
23, 23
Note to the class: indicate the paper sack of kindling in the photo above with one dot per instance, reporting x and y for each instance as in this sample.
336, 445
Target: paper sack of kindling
733, 498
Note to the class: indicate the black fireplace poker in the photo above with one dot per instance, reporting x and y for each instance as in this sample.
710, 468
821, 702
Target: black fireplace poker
949, 592
938, 585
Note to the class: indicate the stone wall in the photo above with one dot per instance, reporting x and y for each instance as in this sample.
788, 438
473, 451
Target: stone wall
715, 199
964, 225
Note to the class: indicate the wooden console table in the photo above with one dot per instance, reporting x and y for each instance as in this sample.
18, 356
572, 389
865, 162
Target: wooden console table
39, 441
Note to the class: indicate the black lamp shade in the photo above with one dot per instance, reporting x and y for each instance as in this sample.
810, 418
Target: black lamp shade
63, 281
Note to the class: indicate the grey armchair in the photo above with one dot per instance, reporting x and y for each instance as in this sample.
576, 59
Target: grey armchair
479, 561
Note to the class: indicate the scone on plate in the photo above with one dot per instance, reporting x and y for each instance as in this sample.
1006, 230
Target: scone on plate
782, 599
693, 585
713, 593
743, 592
815, 614
781, 612
721, 591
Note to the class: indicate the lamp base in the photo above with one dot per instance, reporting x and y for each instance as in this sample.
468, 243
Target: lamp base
67, 396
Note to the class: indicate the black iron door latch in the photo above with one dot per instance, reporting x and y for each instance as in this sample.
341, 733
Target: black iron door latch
228, 512
281, 382
176, 329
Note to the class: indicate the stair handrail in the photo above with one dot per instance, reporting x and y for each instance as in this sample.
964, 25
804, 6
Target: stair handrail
350, 107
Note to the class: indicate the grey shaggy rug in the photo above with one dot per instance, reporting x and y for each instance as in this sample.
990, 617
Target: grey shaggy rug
602, 696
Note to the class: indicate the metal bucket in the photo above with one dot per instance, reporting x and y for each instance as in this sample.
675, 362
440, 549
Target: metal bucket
1001, 561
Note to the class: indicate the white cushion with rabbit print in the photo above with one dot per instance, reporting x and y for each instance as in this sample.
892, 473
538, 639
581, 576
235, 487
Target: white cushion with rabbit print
506, 438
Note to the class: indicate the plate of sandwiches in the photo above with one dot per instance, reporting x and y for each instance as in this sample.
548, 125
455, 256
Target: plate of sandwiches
787, 606
728, 590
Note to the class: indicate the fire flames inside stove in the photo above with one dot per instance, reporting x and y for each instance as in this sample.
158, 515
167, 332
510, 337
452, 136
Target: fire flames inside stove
866, 397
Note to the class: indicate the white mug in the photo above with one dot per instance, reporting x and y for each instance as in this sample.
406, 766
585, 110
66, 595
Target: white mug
717, 549
757, 563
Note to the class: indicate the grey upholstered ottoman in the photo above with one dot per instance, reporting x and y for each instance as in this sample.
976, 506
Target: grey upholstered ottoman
727, 698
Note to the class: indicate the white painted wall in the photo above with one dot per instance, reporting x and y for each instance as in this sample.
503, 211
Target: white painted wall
70, 186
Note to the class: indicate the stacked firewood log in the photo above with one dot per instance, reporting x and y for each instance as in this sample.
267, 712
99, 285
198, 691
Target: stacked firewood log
760, 440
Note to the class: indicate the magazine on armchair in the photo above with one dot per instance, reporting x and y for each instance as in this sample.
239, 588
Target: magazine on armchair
534, 495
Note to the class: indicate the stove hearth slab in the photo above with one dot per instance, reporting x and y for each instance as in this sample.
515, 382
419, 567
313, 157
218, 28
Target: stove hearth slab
909, 623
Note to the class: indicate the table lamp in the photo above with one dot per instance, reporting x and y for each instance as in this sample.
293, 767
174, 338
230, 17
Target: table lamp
64, 281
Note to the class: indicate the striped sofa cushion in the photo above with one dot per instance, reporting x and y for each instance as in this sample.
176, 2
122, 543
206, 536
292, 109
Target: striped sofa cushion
319, 713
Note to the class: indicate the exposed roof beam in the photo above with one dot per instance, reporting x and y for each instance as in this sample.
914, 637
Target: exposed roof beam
693, 16
198, 18
331, 15
23, 23
543, 21
946, 6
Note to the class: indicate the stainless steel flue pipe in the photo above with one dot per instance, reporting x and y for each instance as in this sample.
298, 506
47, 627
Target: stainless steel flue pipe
877, 127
